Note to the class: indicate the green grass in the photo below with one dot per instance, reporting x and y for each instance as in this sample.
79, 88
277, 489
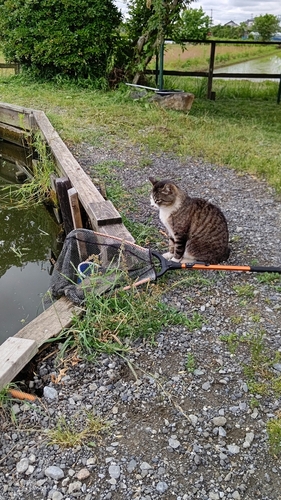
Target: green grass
67, 435
246, 290
111, 321
35, 189
190, 363
273, 428
241, 129
261, 378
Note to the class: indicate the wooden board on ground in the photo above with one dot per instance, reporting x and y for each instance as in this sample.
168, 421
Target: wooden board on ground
15, 354
51, 322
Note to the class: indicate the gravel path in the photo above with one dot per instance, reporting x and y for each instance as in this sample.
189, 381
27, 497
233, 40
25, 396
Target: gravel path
174, 433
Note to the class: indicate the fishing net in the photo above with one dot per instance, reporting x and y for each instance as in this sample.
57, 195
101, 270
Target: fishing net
98, 262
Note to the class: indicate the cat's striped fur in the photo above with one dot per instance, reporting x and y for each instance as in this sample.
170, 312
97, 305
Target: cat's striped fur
197, 229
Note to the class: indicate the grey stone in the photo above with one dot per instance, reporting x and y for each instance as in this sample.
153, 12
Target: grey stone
57, 495
233, 449
114, 471
174, 443
161, 487
248, 439
219, 421
179, 101
22, 465
50, 393
131, 465
206, 386
75, 486
54, 472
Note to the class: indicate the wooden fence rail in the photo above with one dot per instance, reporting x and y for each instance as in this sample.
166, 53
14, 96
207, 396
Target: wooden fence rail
14, 66
210, 74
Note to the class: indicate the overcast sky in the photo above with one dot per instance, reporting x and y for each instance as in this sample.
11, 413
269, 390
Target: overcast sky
223, 11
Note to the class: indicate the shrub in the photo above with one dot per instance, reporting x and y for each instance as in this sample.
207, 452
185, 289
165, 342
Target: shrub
74, 38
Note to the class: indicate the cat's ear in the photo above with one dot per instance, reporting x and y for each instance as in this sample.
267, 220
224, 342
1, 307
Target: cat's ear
168, 188
152, 180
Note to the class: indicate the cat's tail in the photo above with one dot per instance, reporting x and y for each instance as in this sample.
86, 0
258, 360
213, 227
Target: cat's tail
227, 254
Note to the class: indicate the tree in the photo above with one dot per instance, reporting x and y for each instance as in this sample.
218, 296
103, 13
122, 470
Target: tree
228, 32
193, 23
149, 23
266, 26
74, 38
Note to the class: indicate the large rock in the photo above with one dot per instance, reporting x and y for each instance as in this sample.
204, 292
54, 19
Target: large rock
180, 101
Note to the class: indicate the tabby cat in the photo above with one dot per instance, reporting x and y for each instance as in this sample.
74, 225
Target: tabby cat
197, 229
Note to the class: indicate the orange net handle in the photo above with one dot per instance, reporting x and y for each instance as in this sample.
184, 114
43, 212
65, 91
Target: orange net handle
217, 267
15, 393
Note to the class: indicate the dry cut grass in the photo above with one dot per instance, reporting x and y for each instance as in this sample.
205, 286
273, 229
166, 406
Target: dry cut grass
196, 57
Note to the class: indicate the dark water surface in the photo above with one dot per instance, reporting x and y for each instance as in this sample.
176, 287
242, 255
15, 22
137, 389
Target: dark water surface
27, 238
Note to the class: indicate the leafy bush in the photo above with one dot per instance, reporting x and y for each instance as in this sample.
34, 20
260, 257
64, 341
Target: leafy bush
73, 38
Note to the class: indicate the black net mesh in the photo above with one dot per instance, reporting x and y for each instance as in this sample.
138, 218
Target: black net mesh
109, 260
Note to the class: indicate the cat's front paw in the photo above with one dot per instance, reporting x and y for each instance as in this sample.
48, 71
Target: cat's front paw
168, 255
175, 260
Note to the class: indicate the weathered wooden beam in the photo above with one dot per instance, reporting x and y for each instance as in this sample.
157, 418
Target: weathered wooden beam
75, 209
50, 322
15, 135
104, 213
67, 165
15, 354
17, 116
62, 186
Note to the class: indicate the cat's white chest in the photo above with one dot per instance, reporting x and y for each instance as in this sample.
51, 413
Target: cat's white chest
164, 214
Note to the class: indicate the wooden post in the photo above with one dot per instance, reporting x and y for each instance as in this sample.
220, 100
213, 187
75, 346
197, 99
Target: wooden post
62, 186
74, 207
161, 66
279, 92
77, 222
211, 69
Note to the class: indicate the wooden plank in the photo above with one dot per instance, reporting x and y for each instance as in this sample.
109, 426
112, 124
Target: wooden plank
15, 354
62, 186
69, 167
118, 230
77, 220
15, 135
104, 213
50, 323
67, 164
16, 116
75, 209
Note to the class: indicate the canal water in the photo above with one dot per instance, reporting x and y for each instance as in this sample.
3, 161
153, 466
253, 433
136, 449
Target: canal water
269, 64
28, 239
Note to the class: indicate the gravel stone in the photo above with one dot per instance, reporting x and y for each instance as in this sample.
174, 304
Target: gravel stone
114, 471
54, 472
219, 421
